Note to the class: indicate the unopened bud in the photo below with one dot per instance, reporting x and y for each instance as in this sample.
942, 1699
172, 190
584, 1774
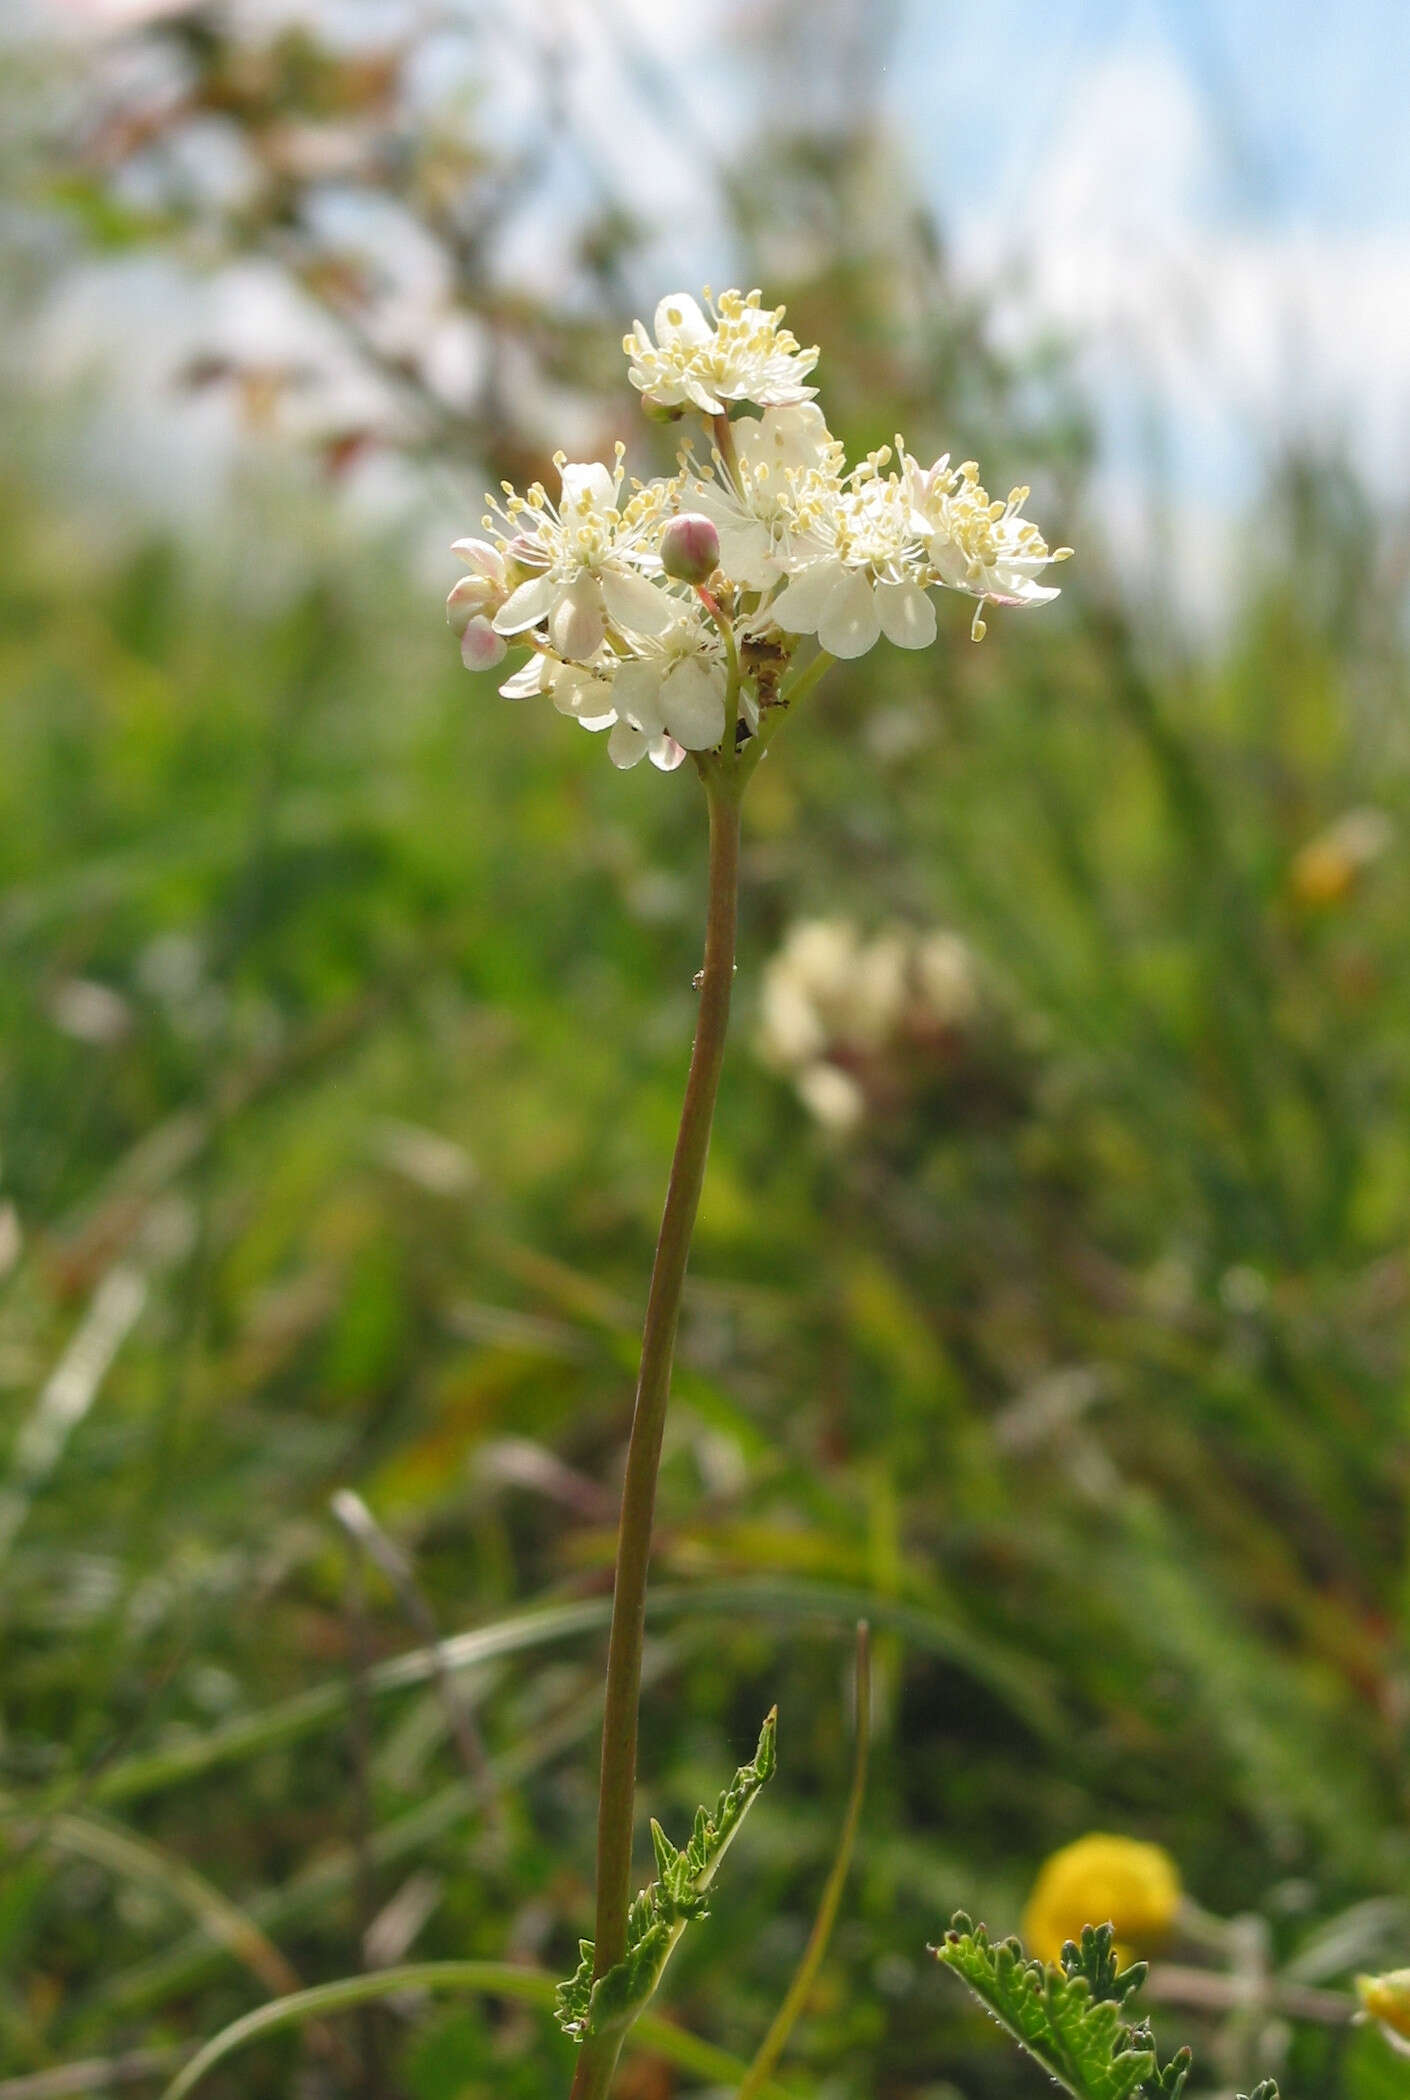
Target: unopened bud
690, 548
480, 647
470, 597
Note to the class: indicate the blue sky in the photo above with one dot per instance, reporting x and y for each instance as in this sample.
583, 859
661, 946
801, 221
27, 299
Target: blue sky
1210, 197
1307, 102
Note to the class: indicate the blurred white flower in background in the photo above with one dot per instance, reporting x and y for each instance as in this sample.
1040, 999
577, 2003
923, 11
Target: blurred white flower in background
850, 1020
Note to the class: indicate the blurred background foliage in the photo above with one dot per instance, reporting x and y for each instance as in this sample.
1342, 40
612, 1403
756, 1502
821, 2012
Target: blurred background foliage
345, 1010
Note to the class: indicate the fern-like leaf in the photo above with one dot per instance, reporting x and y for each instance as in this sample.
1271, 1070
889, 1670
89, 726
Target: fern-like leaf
1069, 2016
662, 1911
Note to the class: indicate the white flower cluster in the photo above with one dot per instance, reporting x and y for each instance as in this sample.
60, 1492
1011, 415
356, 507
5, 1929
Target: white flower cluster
849, 1019
664, 611
846, 1017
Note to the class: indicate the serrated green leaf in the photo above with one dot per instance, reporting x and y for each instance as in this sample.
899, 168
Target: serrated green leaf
1070, 2017
1094, 1959
662, 1911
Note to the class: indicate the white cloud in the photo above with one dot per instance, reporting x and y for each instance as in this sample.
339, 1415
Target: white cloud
1226, 336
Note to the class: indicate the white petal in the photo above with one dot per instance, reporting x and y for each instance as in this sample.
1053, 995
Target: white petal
799, 606
693, 705
528, 605
591, 480
577, 623
1024, 592
696, 391
745, 554
480, 556
907, 615
666, 754
850, 623
665, 393
527, 679
679, 320
785, 437
577, 692
636, 693
626, 746
480, 647
633, 602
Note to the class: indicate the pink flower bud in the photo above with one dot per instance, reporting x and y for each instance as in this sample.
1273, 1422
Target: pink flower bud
480, 647
470, 597
690, 548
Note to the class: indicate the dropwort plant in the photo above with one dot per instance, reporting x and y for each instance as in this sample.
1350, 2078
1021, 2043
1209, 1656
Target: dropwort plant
689, 616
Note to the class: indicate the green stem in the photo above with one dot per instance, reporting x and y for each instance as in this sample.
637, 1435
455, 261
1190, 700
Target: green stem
616, 1801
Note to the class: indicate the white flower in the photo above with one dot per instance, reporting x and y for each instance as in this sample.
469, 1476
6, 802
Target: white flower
768, 511
843, 1016
639, 606
588, 692
739, 353
984, 549
675, 687
948, 980
865, 582
483, 591
832, 1096
589, 560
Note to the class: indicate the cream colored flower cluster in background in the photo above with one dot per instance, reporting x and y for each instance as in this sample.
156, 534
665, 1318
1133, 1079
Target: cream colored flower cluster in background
659, 611
841, 1015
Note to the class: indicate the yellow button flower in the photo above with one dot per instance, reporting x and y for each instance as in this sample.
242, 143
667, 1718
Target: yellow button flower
1387, 1999
1102, 1880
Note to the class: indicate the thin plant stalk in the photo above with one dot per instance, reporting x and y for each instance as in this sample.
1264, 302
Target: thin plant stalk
617, 1796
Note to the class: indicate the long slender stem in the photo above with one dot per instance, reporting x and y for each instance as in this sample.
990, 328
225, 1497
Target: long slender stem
616, 1800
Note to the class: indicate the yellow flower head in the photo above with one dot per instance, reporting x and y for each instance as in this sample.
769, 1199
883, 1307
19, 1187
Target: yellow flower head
1102, 1880
1387, 1999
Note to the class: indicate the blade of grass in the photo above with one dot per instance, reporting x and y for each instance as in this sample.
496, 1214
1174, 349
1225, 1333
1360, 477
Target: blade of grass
94, 2074
1024, 1686
358, 1521
157, 1981
136, 1859
493, 1978
786, 2018
132, 1858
